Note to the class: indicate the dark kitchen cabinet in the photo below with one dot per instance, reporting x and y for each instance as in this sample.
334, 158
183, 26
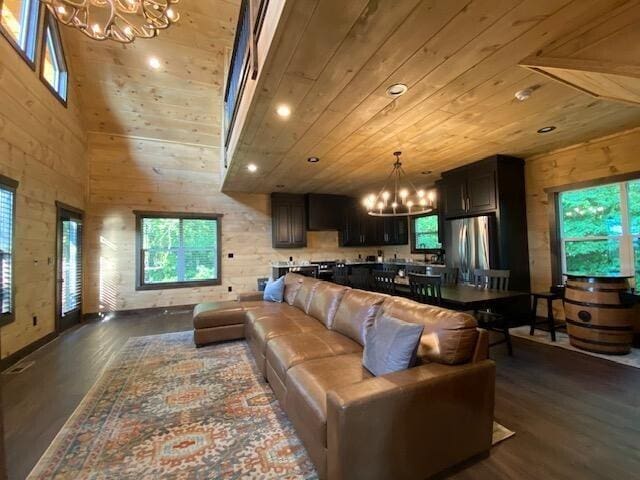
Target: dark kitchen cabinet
324, 212
469, 190
288, 220
360, 229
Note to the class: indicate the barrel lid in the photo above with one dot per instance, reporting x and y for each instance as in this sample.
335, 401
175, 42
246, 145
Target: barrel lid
596, 278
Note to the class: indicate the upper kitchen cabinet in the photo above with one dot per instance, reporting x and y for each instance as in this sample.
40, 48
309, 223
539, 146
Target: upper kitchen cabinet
470, 190
288, 220
360, 229
474, 189
324, 212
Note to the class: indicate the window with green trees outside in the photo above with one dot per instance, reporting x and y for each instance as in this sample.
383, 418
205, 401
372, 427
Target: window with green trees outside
425, 232
178, 250
600, 230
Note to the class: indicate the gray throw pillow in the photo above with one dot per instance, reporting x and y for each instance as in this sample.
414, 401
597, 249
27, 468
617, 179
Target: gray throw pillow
390, 345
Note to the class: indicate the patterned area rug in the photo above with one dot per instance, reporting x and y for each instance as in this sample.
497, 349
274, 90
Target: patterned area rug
164, 409
562, 341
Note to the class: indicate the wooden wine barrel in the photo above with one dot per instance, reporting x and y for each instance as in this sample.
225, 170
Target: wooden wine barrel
597, 320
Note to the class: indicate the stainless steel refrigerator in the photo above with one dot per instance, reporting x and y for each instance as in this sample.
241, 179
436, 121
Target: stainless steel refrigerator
470, 245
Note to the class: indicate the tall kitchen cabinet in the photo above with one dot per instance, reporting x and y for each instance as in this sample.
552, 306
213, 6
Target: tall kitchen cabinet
288, 220
494, 187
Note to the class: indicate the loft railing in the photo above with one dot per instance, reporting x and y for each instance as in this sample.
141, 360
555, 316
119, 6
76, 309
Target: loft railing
244, 60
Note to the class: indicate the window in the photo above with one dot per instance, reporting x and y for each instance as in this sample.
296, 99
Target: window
54, 68
424, 237
600, 230
19, 23
177, 250
7, 220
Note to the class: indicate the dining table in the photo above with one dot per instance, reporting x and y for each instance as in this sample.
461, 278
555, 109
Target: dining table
469, 297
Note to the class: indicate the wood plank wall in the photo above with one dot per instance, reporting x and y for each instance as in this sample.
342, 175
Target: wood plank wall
127, 174
599, 158
43, 146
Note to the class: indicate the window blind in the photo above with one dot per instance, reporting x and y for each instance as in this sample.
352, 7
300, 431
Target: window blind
6, 249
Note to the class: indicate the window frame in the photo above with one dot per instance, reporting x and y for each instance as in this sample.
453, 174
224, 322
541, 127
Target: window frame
50, 22
412, 231
22, 53
11, 185
555, 222
140, 283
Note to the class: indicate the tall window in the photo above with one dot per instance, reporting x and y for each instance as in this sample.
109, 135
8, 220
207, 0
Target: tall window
177, 250
424, 237
7, 216
19, 23
54, 68
600, 230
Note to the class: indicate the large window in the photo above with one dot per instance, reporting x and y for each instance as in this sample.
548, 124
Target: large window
7, 222
19, 23
54, 68
600, 230
177, 250
424, 234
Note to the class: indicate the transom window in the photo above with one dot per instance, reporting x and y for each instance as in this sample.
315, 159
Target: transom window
425, 234
19, 23
177, 250
600, 230
7, 220
54, 68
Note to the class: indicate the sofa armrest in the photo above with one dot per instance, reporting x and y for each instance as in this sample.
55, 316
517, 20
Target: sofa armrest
410, 424
250, 296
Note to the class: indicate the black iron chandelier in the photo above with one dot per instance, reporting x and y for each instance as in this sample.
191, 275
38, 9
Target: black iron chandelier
402, 198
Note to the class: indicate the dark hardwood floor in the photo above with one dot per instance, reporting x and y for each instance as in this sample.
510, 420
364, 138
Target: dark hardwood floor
576, 417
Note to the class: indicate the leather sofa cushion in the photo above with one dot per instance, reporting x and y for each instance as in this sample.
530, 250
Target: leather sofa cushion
216, 314
292, 283
289, 350
325, 301
307, 386
305, 293
357, 309
264, 329
448, 337
269, 309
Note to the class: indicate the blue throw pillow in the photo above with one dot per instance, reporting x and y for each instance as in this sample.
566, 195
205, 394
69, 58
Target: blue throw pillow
390, 345
274, 291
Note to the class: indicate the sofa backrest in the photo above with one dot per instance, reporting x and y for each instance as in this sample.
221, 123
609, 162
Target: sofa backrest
357, 309
305, 292
449, 337
325, 299
292, 283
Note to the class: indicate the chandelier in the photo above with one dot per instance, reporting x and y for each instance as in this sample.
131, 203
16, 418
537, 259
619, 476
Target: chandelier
402, 200
119, 20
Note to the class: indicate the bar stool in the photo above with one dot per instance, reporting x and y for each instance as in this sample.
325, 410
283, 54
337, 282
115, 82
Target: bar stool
554, 294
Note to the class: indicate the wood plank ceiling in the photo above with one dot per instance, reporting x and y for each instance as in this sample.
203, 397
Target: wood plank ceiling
181, 101
459, 58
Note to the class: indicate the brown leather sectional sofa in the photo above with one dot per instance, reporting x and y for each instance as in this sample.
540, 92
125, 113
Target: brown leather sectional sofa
405, 425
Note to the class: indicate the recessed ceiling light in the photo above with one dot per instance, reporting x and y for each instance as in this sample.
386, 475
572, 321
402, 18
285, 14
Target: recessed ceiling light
427, 172
279, 186
154, 63
313, 159
252, 167
396, 90
283, 110
548, 129
523, 95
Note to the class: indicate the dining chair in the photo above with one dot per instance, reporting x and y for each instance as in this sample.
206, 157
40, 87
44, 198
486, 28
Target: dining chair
426, 288
384, 282
492, 279
412, 269
341, 275
449, 275
493, 321
360, 278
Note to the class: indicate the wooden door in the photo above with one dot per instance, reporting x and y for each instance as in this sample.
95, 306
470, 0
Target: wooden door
69, 268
